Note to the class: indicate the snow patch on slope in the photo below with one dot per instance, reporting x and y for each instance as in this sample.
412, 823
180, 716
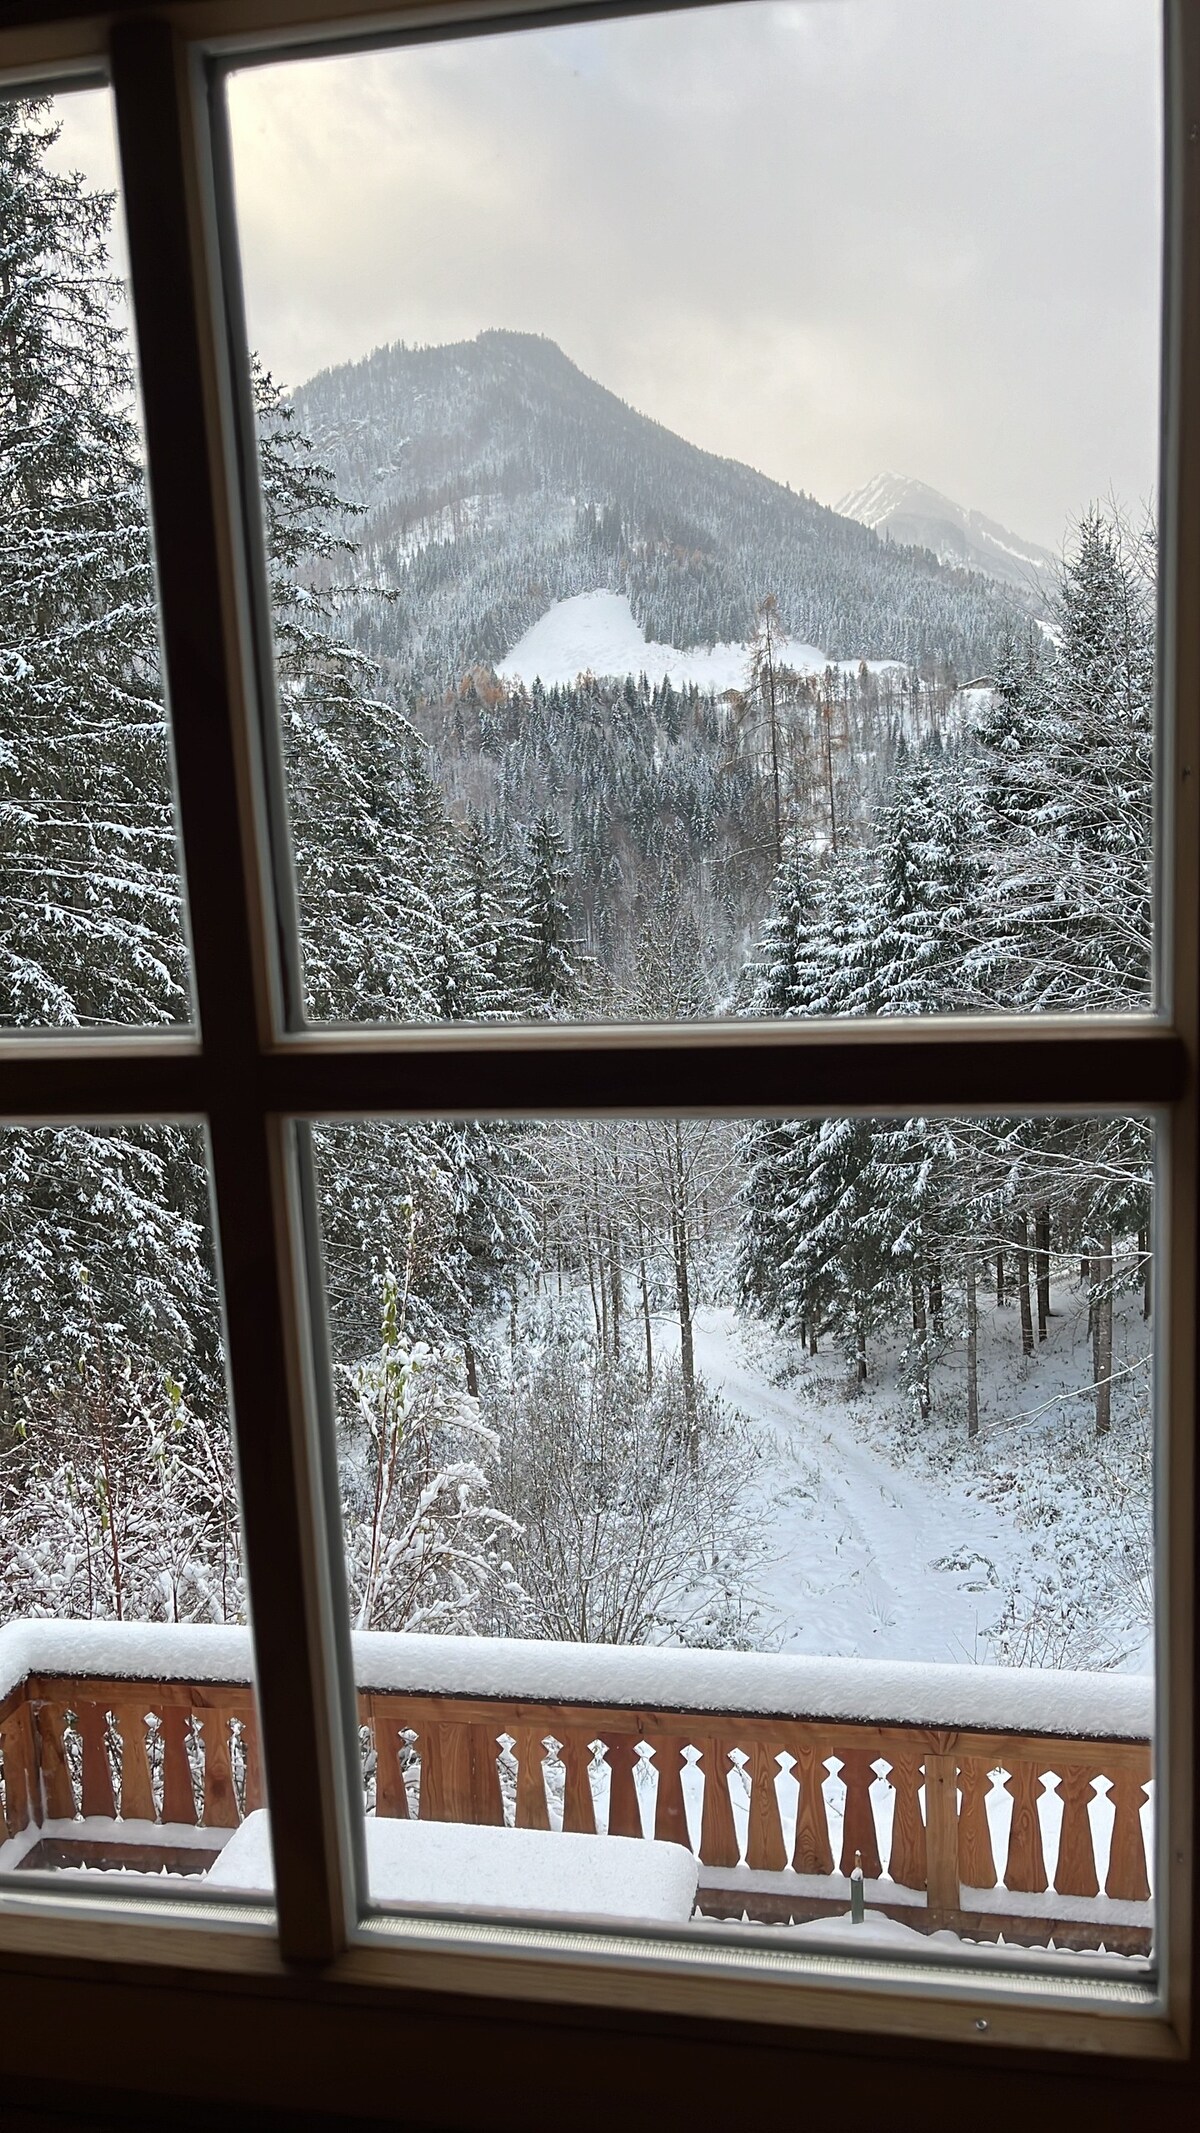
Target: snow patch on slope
596, 633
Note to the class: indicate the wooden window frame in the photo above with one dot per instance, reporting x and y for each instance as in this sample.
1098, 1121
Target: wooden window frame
316, 2010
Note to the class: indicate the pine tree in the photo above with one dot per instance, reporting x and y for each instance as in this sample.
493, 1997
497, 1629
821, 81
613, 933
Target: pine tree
91, 931
91, 928
1072, 787
551, 973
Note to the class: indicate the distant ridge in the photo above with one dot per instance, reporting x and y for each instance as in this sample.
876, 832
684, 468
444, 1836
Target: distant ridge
495, 478
910, 511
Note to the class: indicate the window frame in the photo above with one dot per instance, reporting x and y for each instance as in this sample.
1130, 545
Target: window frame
247, 1077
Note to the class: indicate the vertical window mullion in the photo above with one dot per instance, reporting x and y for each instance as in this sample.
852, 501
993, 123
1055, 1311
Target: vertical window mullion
201, 579
1179, 837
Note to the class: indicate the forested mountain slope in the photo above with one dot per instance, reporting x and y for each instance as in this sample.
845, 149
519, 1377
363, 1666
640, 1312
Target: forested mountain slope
495, 478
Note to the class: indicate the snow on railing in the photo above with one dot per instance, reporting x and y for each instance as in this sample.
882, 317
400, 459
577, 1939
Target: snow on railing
983, 1799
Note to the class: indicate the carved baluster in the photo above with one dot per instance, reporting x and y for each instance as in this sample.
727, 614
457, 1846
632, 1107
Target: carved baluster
670, 1812
178, 1797
976, 1861
58, 1793
1075, 1872
532, 1811
137, 1791
858, 1826
765, 1848
624, 1814
814, 1854
91, 1720
487, 1801
220, 1800
1026, 1867
718, 1835
1127, 1857
906, 1859
253, 1795
391, 1795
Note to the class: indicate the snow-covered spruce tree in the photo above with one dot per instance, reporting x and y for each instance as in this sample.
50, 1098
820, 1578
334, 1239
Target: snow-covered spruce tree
551, 964
783, 979
90, 912
1068, 770
1068, 754
91, 929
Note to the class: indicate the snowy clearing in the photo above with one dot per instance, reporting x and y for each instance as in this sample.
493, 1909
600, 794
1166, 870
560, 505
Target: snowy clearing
595, 633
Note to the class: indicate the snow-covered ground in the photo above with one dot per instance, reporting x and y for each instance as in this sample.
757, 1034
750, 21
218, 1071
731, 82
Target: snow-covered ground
595, 633
881, 1542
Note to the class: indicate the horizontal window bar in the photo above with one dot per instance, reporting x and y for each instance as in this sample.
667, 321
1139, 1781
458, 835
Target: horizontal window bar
736, 1067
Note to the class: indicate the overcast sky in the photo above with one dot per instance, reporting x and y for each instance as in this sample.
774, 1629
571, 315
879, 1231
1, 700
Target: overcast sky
832, 238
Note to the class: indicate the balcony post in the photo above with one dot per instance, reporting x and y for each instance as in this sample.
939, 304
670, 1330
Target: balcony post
941, 1835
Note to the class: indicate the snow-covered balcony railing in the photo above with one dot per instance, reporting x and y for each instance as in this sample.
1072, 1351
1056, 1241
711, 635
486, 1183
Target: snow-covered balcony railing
984, 1800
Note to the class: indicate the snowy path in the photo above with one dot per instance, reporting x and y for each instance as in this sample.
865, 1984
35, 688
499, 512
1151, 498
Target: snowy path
862, 1558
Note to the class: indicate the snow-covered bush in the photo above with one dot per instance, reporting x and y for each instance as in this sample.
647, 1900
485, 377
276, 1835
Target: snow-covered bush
119, 1498
426, 1547
624, 1536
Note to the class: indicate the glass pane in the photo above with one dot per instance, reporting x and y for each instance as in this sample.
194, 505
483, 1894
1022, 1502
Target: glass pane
91, 900
606, 647
128, 1727
780, 1496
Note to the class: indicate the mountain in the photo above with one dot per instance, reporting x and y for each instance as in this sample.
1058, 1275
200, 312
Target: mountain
910, 512
493, 479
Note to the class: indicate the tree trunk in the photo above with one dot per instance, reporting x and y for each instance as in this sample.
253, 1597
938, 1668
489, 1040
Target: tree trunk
471, 1368
1001, 1298
1102, 1313
1023, 1284
618, 1288
1145, 1261
683, 1291
972, 1346
590, 1263
645, 1286
920, 1341
935, 1300
1041, 1238
860, 1344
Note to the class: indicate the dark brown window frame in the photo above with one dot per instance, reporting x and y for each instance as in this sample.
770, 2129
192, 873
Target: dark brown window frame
248, 1077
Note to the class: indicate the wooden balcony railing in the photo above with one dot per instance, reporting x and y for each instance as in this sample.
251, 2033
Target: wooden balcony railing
1029, 1832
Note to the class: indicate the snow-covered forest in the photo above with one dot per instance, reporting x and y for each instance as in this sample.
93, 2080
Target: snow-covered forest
834, 1386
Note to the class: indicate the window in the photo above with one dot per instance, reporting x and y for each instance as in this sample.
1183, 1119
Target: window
275, 1091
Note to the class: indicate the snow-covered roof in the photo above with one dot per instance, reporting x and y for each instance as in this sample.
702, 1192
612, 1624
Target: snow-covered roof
878, 1691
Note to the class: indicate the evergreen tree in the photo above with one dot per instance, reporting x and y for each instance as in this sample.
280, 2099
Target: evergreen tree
1070, 919
91, 926
91, 931
551, 972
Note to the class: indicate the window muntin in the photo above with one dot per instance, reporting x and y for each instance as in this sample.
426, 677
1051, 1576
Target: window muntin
93, 931
585, 826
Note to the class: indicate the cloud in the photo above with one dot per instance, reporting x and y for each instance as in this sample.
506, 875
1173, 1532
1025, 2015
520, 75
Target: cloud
829, 238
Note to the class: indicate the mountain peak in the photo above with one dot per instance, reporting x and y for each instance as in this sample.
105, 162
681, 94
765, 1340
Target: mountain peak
900, 508
496, 478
